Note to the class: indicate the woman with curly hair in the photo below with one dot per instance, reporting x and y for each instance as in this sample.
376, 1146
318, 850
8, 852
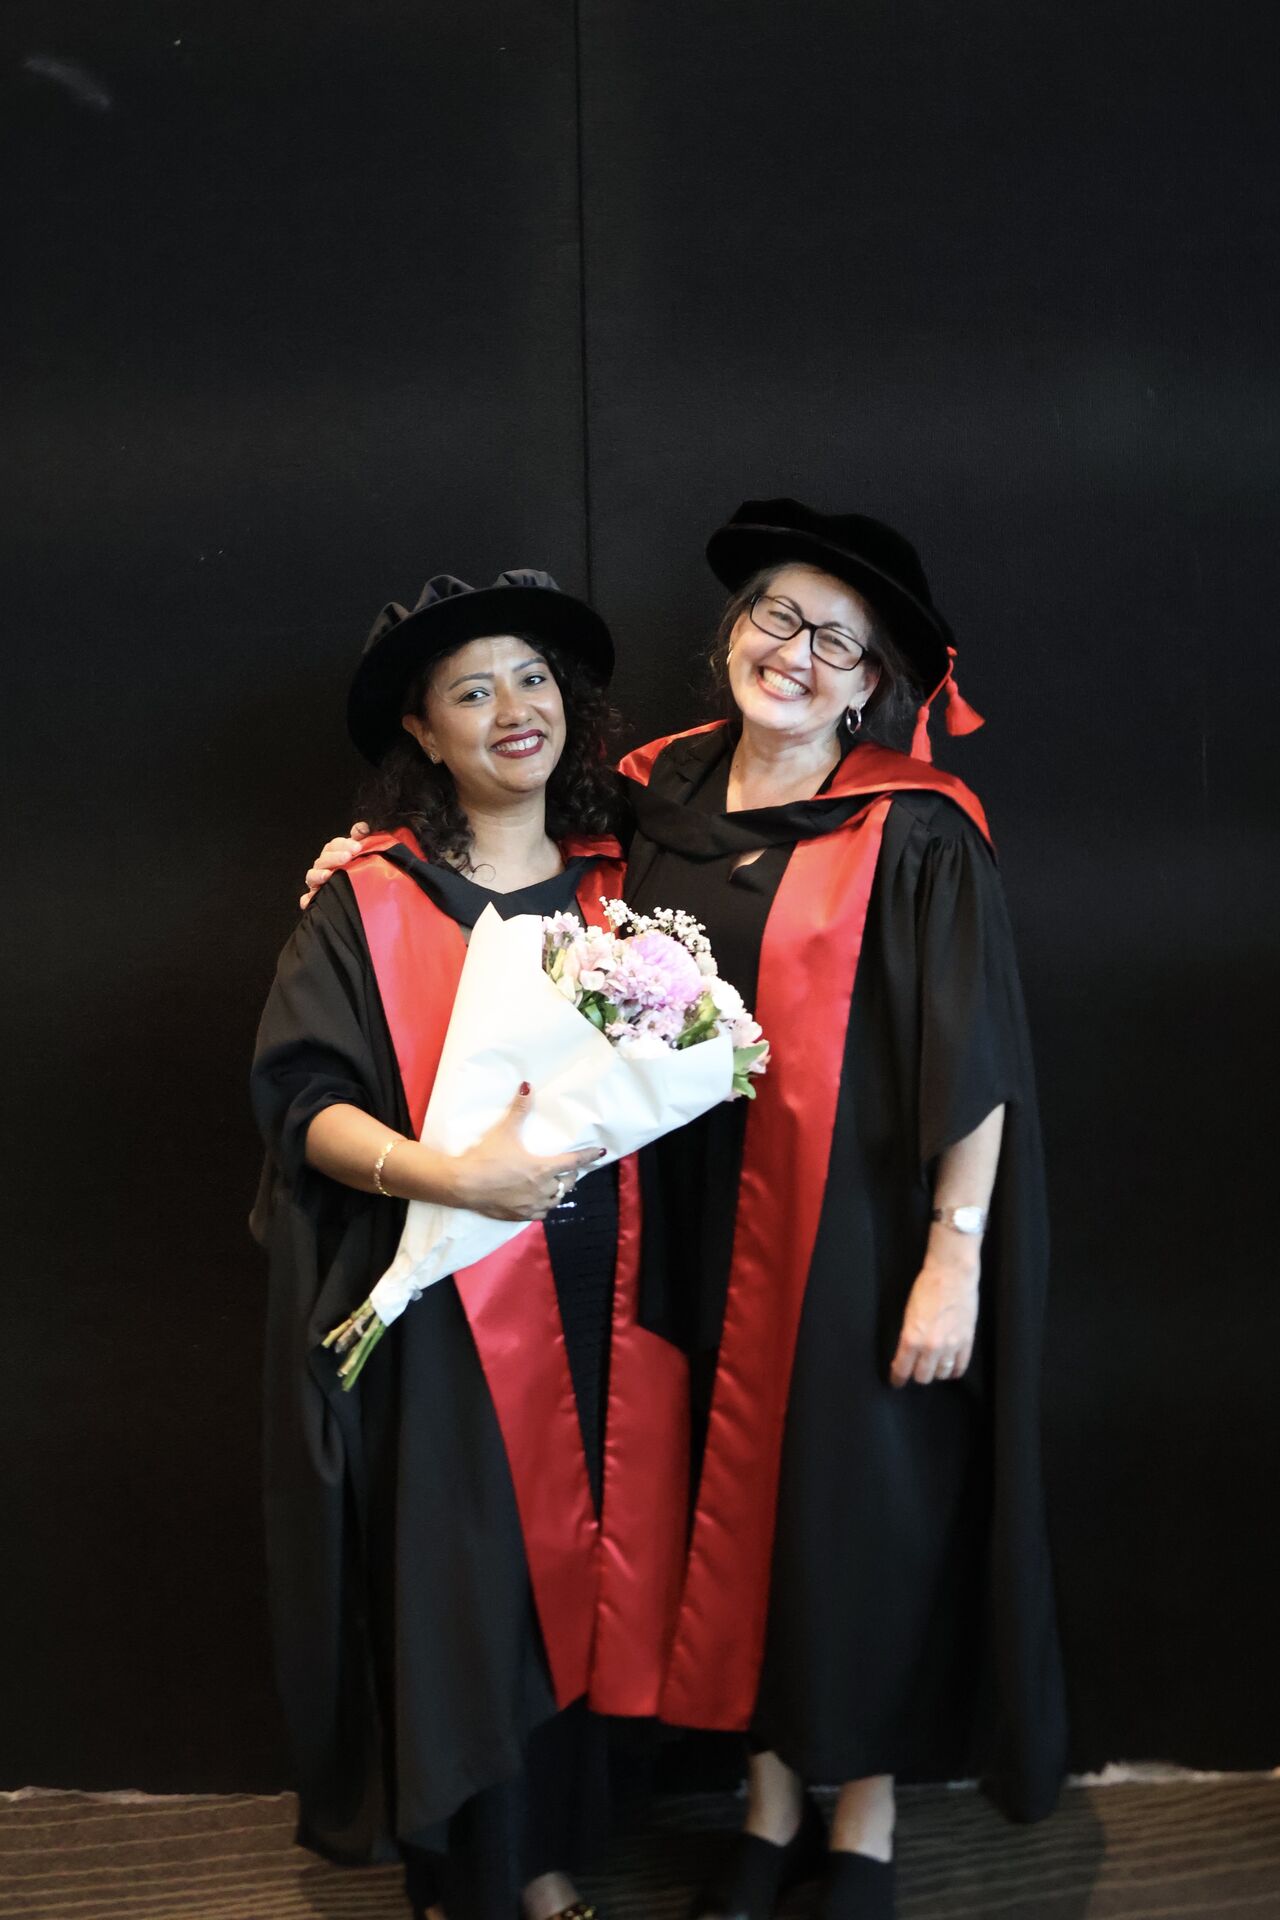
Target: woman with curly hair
437, 1538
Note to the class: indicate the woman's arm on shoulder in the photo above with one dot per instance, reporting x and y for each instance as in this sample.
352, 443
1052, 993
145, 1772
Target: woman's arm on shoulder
333, 856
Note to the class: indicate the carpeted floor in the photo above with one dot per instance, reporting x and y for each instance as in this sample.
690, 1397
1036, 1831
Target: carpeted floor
1178, 1851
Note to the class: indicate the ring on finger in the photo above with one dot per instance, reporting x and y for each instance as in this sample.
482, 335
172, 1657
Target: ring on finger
562, 1187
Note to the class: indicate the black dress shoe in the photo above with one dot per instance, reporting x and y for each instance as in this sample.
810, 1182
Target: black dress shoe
759, 1872
855, 1887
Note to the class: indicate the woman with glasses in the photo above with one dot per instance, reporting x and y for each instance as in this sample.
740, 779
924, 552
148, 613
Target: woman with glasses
855, 1262
867, 1590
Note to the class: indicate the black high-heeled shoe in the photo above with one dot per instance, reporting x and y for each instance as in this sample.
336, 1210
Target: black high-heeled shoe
855, 1887
759, 1872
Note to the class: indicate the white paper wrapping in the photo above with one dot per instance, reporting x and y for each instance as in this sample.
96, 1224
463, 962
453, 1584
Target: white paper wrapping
511, 1023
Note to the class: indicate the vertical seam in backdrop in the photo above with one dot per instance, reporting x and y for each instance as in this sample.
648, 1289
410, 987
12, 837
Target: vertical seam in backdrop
582, 304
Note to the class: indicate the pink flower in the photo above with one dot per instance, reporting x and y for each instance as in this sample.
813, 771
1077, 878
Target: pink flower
664, 1023
594, 952
655, 971
581, 958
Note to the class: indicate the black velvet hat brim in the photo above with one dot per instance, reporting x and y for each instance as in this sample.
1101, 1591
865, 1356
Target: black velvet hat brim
539, 614
736, 553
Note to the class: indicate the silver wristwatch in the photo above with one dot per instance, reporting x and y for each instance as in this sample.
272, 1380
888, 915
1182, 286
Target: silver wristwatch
962, 1219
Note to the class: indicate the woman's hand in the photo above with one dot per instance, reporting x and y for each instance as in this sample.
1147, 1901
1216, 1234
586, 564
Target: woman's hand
942, 1313
942, 1310
499, 1177
332, 857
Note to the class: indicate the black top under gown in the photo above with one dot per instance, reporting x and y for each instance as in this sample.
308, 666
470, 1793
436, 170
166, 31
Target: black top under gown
911, 1623
408, 1653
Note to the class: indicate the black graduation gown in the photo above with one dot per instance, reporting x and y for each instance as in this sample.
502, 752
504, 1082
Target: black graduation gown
911, 1621
408, 1653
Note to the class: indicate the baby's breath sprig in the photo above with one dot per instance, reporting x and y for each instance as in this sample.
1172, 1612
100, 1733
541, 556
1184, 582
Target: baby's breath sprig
673, 921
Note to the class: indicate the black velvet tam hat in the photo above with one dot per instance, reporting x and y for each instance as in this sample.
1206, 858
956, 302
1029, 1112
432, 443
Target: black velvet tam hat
883, 566
448, 614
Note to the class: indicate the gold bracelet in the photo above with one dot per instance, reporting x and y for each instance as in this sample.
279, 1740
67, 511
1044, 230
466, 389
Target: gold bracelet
380, 1163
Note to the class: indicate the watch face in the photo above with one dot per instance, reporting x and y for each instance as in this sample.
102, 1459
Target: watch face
969, 1219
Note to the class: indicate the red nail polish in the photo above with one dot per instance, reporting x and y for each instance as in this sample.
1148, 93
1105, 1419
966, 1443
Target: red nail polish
525, 1087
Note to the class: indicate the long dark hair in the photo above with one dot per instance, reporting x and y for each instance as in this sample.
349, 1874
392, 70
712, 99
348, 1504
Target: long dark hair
889, 714
582, 793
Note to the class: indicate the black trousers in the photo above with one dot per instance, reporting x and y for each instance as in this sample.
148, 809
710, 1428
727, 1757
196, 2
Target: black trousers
550, 1818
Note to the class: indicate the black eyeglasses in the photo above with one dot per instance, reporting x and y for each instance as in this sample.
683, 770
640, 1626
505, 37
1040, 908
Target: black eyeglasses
781, 621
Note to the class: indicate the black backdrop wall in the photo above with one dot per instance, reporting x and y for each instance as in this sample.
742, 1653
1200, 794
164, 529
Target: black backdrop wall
315, 300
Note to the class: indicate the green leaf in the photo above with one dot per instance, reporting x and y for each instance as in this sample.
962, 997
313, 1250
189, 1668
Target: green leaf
695, 1035
700, 1022
743, 1080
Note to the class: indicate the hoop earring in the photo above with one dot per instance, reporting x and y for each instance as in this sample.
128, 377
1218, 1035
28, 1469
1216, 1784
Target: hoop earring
854, 717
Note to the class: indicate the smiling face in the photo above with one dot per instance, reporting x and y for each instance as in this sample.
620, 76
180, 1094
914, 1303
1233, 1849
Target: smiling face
777, 684
494, 717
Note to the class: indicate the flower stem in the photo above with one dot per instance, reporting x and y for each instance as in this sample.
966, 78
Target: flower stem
356, 1337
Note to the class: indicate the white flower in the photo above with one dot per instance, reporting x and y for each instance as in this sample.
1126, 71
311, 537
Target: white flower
597, 950
728, 1001
567, 973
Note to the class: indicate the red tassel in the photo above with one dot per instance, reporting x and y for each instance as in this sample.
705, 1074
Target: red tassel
961, 717
920, 747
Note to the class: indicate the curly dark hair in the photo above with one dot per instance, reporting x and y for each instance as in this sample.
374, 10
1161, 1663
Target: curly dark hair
888, 716
406, 790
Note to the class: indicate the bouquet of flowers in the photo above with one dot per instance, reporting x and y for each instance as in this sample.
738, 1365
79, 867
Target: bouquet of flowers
624, 1032
651, 984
